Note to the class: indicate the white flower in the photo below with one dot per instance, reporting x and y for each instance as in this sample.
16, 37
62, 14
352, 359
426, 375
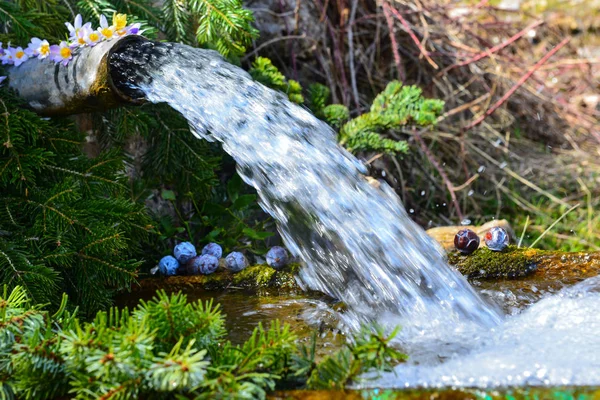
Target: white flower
18, 55
107, 31
61, 53
38, 48
92, 37
74, 28
79, 39
7, 57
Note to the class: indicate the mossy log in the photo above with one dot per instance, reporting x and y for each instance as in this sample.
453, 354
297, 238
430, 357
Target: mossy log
515, 262
584, 392
259, 276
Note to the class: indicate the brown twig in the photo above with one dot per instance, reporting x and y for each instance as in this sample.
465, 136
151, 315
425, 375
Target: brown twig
518, 84
397, 59
413, 37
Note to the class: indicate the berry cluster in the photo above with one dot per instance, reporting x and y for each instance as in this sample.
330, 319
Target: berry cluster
80, 35
186, 261
466, 241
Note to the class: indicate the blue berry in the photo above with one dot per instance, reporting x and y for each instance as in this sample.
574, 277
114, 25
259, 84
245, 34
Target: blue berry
168, 265
184, 252
496, 239
204, 265
213, 249
277, 257
466, 241
235, 261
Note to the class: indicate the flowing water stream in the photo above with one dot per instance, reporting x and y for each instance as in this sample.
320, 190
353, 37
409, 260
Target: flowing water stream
357, 242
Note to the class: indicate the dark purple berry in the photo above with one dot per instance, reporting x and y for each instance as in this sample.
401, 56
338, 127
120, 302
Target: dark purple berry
184, 252
213, 249
496, 239
466, 241
204, 265
277, 257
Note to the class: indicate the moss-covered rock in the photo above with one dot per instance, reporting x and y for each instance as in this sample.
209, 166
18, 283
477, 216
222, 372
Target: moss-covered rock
257, 276
515, 262
484, 263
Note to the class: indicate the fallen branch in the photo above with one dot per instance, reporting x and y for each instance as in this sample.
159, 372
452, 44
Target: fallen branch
490, 51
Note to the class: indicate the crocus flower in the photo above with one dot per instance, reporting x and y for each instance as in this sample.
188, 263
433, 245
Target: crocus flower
38, 48
7, 57
75, 28
79, 39
92, 38
1, 50
133, 29
119, 21
18, 56
107, 31
61, 53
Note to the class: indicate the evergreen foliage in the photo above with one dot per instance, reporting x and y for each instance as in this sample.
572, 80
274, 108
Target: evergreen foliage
392, 109
265, 72
67, 222
164, 348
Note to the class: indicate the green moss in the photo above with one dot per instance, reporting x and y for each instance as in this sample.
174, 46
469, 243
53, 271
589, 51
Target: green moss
514, 262
253, 277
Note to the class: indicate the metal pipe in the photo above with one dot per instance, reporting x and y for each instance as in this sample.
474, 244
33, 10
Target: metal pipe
84, 85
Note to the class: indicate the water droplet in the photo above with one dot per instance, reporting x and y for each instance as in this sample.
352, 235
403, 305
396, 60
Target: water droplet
481, 169
412, 211
423, 193
465, 221
470, 193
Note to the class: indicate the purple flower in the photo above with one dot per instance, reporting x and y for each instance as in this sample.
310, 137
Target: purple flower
61, 53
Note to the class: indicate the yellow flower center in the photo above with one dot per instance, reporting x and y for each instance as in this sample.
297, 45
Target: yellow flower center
19, 54
120, 21
107, 33
45, 49
65, 52
94, 36
81, 40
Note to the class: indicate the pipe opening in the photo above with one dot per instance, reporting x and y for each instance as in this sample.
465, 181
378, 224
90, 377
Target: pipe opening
128, 63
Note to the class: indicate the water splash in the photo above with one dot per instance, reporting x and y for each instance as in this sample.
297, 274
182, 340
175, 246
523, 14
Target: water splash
357, 242
554, 342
